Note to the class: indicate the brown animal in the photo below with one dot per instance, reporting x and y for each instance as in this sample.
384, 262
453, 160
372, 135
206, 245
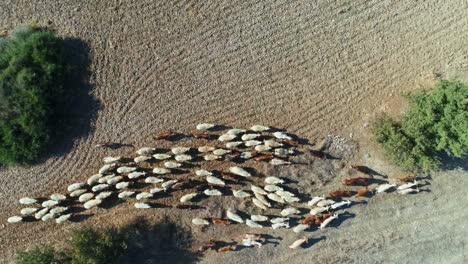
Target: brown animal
265, 157
318, 154
181, 185
291, 142
409, 178
363, 191
357, 181
308, 220
164, 135
227, 248
205, 136
218, 221
205, 246
322, 217
229, 176
341, 193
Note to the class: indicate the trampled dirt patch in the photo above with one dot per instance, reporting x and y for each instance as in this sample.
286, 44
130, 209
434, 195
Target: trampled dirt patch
314, 68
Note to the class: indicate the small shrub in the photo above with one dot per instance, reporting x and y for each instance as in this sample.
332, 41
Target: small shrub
437, 121
41, 255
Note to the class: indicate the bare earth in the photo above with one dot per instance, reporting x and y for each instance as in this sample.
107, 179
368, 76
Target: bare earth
312, 67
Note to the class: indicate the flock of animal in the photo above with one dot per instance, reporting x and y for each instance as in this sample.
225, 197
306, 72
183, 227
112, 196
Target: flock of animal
259, 143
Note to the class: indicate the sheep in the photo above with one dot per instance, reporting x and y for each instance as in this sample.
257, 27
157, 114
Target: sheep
234, 144
284, 194
63, 218
214, 180
144, 195
141, 159
103, 195
28, 211
75, 186
273, 180
27, 201
262, 148
108, 160
259, 204
289, 211
275, 197
227, 248
246, 155
106, 178
281, 135
250, 242
277, 220
183, 157
233, 216
298, 243
272, 143
259, 128
300, 227
114, 180
262, 199
251, 143
146, 151
47, 217
247, 137
168, 184
161, 156
156, 190
257, 189
49, 203
200, 221
235, 131
210, 157
253, 224
340, 204
318, 210
122, 185
100, 187
106, 168
142, 205
58, 197
41, 213
85, 197
179, 150
272, 188
126, 169
161, 171
407, 185
325, 202
291, 199
205, 126
240, 171
328, 220
226, 137
384, 187
188, 197
77, 192
91, 203
279, 225
93, 179
315, 200
277, 162
221, 152
58, 210
153, 180
136, 174
283, 152
203, 173
240, 194
259, 218
172, 165
212, 192
408, 190
204, 149
125, 194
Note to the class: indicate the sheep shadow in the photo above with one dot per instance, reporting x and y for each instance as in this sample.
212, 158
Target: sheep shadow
313, 241
341, 219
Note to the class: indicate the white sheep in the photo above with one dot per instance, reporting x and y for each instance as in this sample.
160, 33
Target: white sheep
234, 144
100, 187
204, 126
93, 179
272, 188
340, 204
246, 155
235, 131
226, 137
407, 191
328, 220
183, 157
153, 180
108, 160
277, 220
144, 195
200, 221
27, 201
325, 202
28, 211
168, 184
77, 192
114, 180
58, 210
63, 218
41, 213
104, 179
283, 152
275, 197
262, 199
318, 210
210, 157
188, 197
289, 199
277, 162
136, 174
262, 148
126, 169
279, 225
259, 218
146, 151
58, 197
315, 200
214, 180
49, 203
273, 180
161, 156
239, 171
285, 194
142, 205
85, 197
251, 143
161, 171
384, 187
221, 152
141, 159
75, 186
103, 195
257, 189
212, 192
259, 204
172, 165
156, 190
179, 150
122, 185
106, 168
204, 149
252, 224
247, 137
299, 228
203, 173
240, 194
407, 185
281, 135
234, 217
91, 203
272, 143
298, 243
289, 211
125, 194
260, 128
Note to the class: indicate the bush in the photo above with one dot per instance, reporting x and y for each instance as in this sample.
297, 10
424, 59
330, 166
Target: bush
40, 255
33, 70
437, 122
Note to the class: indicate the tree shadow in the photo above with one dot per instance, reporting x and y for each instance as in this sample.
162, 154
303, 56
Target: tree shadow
77, 108
453, 163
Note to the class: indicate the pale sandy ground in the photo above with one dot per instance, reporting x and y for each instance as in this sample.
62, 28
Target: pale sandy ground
312, 67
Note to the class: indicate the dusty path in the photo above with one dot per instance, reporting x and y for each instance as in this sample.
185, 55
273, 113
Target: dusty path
313, 68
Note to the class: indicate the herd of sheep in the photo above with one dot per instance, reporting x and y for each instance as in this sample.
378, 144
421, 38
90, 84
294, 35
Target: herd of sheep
260, 143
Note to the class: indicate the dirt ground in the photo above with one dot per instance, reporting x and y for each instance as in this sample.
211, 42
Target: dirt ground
312, 67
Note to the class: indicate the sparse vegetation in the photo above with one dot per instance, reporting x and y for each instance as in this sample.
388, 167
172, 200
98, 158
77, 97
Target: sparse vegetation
437, 122
33, 70
138, 242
